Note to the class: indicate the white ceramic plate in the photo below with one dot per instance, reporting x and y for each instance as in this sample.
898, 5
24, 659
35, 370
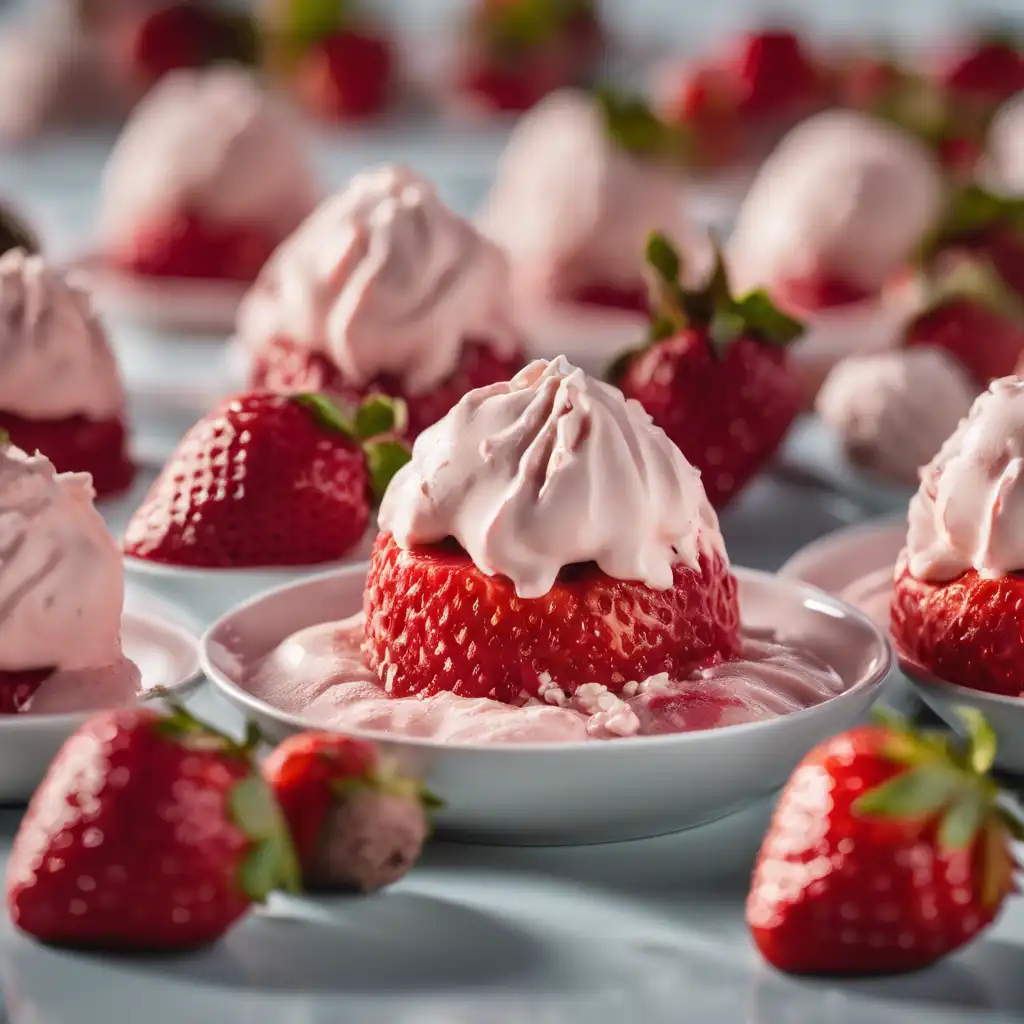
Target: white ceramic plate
545, 794
166, 652
589, 337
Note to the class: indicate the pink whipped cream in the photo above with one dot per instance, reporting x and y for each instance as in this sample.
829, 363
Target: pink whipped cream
318, 675
1006, 147
968, 511
384, 278
571, 208
843, 195
62, 581
213, 143
893, 410
55, 360
547, 470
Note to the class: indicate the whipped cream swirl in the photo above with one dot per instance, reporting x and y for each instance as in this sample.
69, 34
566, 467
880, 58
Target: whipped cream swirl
55, 360
384, 278
213, 144
61, 576
547, 470
843, 195
969, 510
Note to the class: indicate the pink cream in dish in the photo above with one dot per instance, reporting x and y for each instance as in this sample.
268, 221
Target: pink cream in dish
508, 601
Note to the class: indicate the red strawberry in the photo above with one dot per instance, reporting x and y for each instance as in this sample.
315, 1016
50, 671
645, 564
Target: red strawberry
968, 631
714, 376
887, 851
817, 292
707, 104
346, 76
268, 479
774, 75
17, 688
435, 622
185, 245
356, 822
78, 444
284, 366
973, 319
991, 71
149, 832
507, 90
185, 35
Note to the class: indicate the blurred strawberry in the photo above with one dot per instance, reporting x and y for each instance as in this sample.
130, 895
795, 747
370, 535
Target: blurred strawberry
989, 70
774, 75
346, 76
706, 103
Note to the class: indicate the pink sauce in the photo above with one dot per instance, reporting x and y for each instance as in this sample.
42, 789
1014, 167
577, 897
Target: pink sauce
318, 674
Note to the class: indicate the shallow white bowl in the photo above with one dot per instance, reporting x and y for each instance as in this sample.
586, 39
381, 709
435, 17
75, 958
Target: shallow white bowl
166, 651
584, 792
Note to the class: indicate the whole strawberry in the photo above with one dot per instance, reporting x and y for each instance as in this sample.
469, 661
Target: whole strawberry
888, 850
714, 374
355, 821
149, 832
774, 75
268, 479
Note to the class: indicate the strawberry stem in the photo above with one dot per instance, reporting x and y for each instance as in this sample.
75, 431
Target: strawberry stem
327, 414
272, 864
971, 210
383, 460
634, 127
379, 415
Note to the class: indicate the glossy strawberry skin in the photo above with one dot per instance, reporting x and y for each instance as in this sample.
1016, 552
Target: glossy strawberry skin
347, 76
301, 771
985, 343
728, 414
182, 245
969, 631
774, 75
128, 843
258, 481
988, 71
286, 367
835, 892
434, 622
78, 445
17, 688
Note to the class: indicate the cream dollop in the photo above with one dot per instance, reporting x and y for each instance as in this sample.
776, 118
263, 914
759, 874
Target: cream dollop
969, 510
893, 410
1006, 146
572, 208
55, 360
547, 470
843, 195
213, 143
61, 575
384, 278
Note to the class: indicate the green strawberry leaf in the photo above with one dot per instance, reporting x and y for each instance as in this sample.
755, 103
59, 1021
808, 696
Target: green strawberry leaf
915, 793
304, 22
271, 865
662, 257
972, 277
972, 208
765, 321
634, 127
380, 414
518, 26
383, 460
185, 729
327, 414
981, 739
961, 821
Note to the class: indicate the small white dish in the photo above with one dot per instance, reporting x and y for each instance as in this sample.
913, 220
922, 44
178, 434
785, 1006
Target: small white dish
158, 639
588, 336
209, 593
559, 793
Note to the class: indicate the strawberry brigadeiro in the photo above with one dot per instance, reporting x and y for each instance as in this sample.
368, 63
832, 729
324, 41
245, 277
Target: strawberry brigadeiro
60, 391
383, 289
888, 850
714, 375
268, 479
958, 585
502, 569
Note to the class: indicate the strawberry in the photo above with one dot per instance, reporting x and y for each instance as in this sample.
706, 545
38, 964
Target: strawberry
346, 76
435, 622
182, 244
817, 292
268, 479
707, 105
17, 688
356, 822
774, 75
77, 444
989, 71
150, 831
185, 35
286, 367
888, 850
714, 375
968, 631
15, 233
975, 319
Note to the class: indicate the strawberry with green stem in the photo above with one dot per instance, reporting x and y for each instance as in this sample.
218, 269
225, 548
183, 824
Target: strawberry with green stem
713, 374
888, 850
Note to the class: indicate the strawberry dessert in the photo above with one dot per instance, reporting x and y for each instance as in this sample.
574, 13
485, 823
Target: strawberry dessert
383, 289
584, 180
505, 603
958, 585
61, 592
714, 374
207, 178
60, 391
267, 479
